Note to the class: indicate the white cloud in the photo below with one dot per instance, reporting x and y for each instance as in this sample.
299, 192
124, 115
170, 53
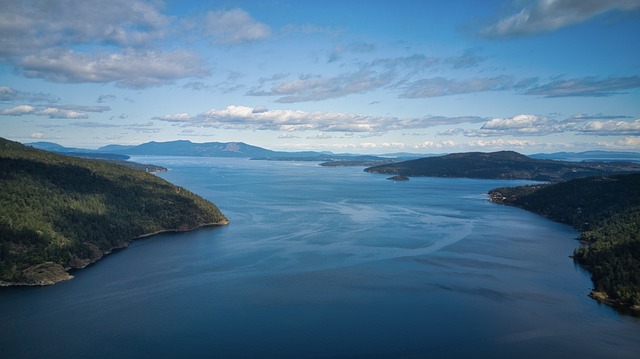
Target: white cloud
320, 136
316, 88
436, 144
586, 87
548, 15
176, 117
37, 25
53, 112
521, 125
612, 128
93, 41
89, 124
367, 76
338, 146
502, 143
60, 112
234, 26
399, 73
84, 108
533, 125
440, 86
9, 94
631, 142
131, 68
287, 135
19, 110
259, 118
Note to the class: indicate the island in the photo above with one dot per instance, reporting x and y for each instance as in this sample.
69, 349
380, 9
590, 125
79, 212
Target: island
606, 210
59, 213
398, 178
501, 165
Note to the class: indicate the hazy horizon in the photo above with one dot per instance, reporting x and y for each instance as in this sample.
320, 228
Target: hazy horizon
323, 151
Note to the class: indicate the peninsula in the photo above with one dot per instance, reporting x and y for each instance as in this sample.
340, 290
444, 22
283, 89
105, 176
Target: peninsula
61, 212
606, 209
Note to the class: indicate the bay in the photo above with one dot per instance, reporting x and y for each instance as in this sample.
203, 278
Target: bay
327, 263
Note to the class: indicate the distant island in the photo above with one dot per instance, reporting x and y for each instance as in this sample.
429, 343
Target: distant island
356, 163
217, 149
398, 178
61, 212
606, 209
501, 165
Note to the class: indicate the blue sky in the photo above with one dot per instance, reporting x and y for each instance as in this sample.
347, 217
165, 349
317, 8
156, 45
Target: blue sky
342, 76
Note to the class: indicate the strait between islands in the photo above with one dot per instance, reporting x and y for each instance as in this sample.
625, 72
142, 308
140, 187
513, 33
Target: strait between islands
59, 213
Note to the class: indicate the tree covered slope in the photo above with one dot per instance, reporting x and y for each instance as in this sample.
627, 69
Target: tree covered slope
59, 212
607, 211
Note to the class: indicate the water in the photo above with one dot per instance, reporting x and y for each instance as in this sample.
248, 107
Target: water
327, 263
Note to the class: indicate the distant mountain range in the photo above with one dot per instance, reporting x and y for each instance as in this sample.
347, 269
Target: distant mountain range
241, 149
188, 148
207, 149
502, 165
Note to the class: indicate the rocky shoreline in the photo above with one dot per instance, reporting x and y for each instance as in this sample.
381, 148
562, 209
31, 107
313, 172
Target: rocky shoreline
49, 273
620, 306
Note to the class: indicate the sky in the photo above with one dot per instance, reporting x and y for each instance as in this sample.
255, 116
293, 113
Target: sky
343, 76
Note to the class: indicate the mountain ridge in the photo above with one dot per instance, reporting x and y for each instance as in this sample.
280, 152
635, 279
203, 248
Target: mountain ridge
206, 149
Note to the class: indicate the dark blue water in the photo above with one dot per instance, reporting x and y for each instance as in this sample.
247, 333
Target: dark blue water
327, 263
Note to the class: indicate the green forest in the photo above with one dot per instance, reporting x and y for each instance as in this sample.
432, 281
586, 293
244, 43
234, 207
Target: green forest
606, 209
502, 165
59, 212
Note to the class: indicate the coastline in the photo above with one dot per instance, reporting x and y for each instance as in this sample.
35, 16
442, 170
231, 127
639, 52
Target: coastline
601, 297
618, 305
49, 273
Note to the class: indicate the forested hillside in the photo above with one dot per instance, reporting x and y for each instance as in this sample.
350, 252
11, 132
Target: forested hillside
502, 165
59, 212
607, 212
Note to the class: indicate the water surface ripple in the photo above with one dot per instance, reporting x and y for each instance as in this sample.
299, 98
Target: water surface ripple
327, 263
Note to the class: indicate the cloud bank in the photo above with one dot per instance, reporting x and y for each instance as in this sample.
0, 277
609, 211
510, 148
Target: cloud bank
128, 69
234, 26
398, 74
59, 112
116, 41
533, 125
260, 118
548, 15
586, 87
